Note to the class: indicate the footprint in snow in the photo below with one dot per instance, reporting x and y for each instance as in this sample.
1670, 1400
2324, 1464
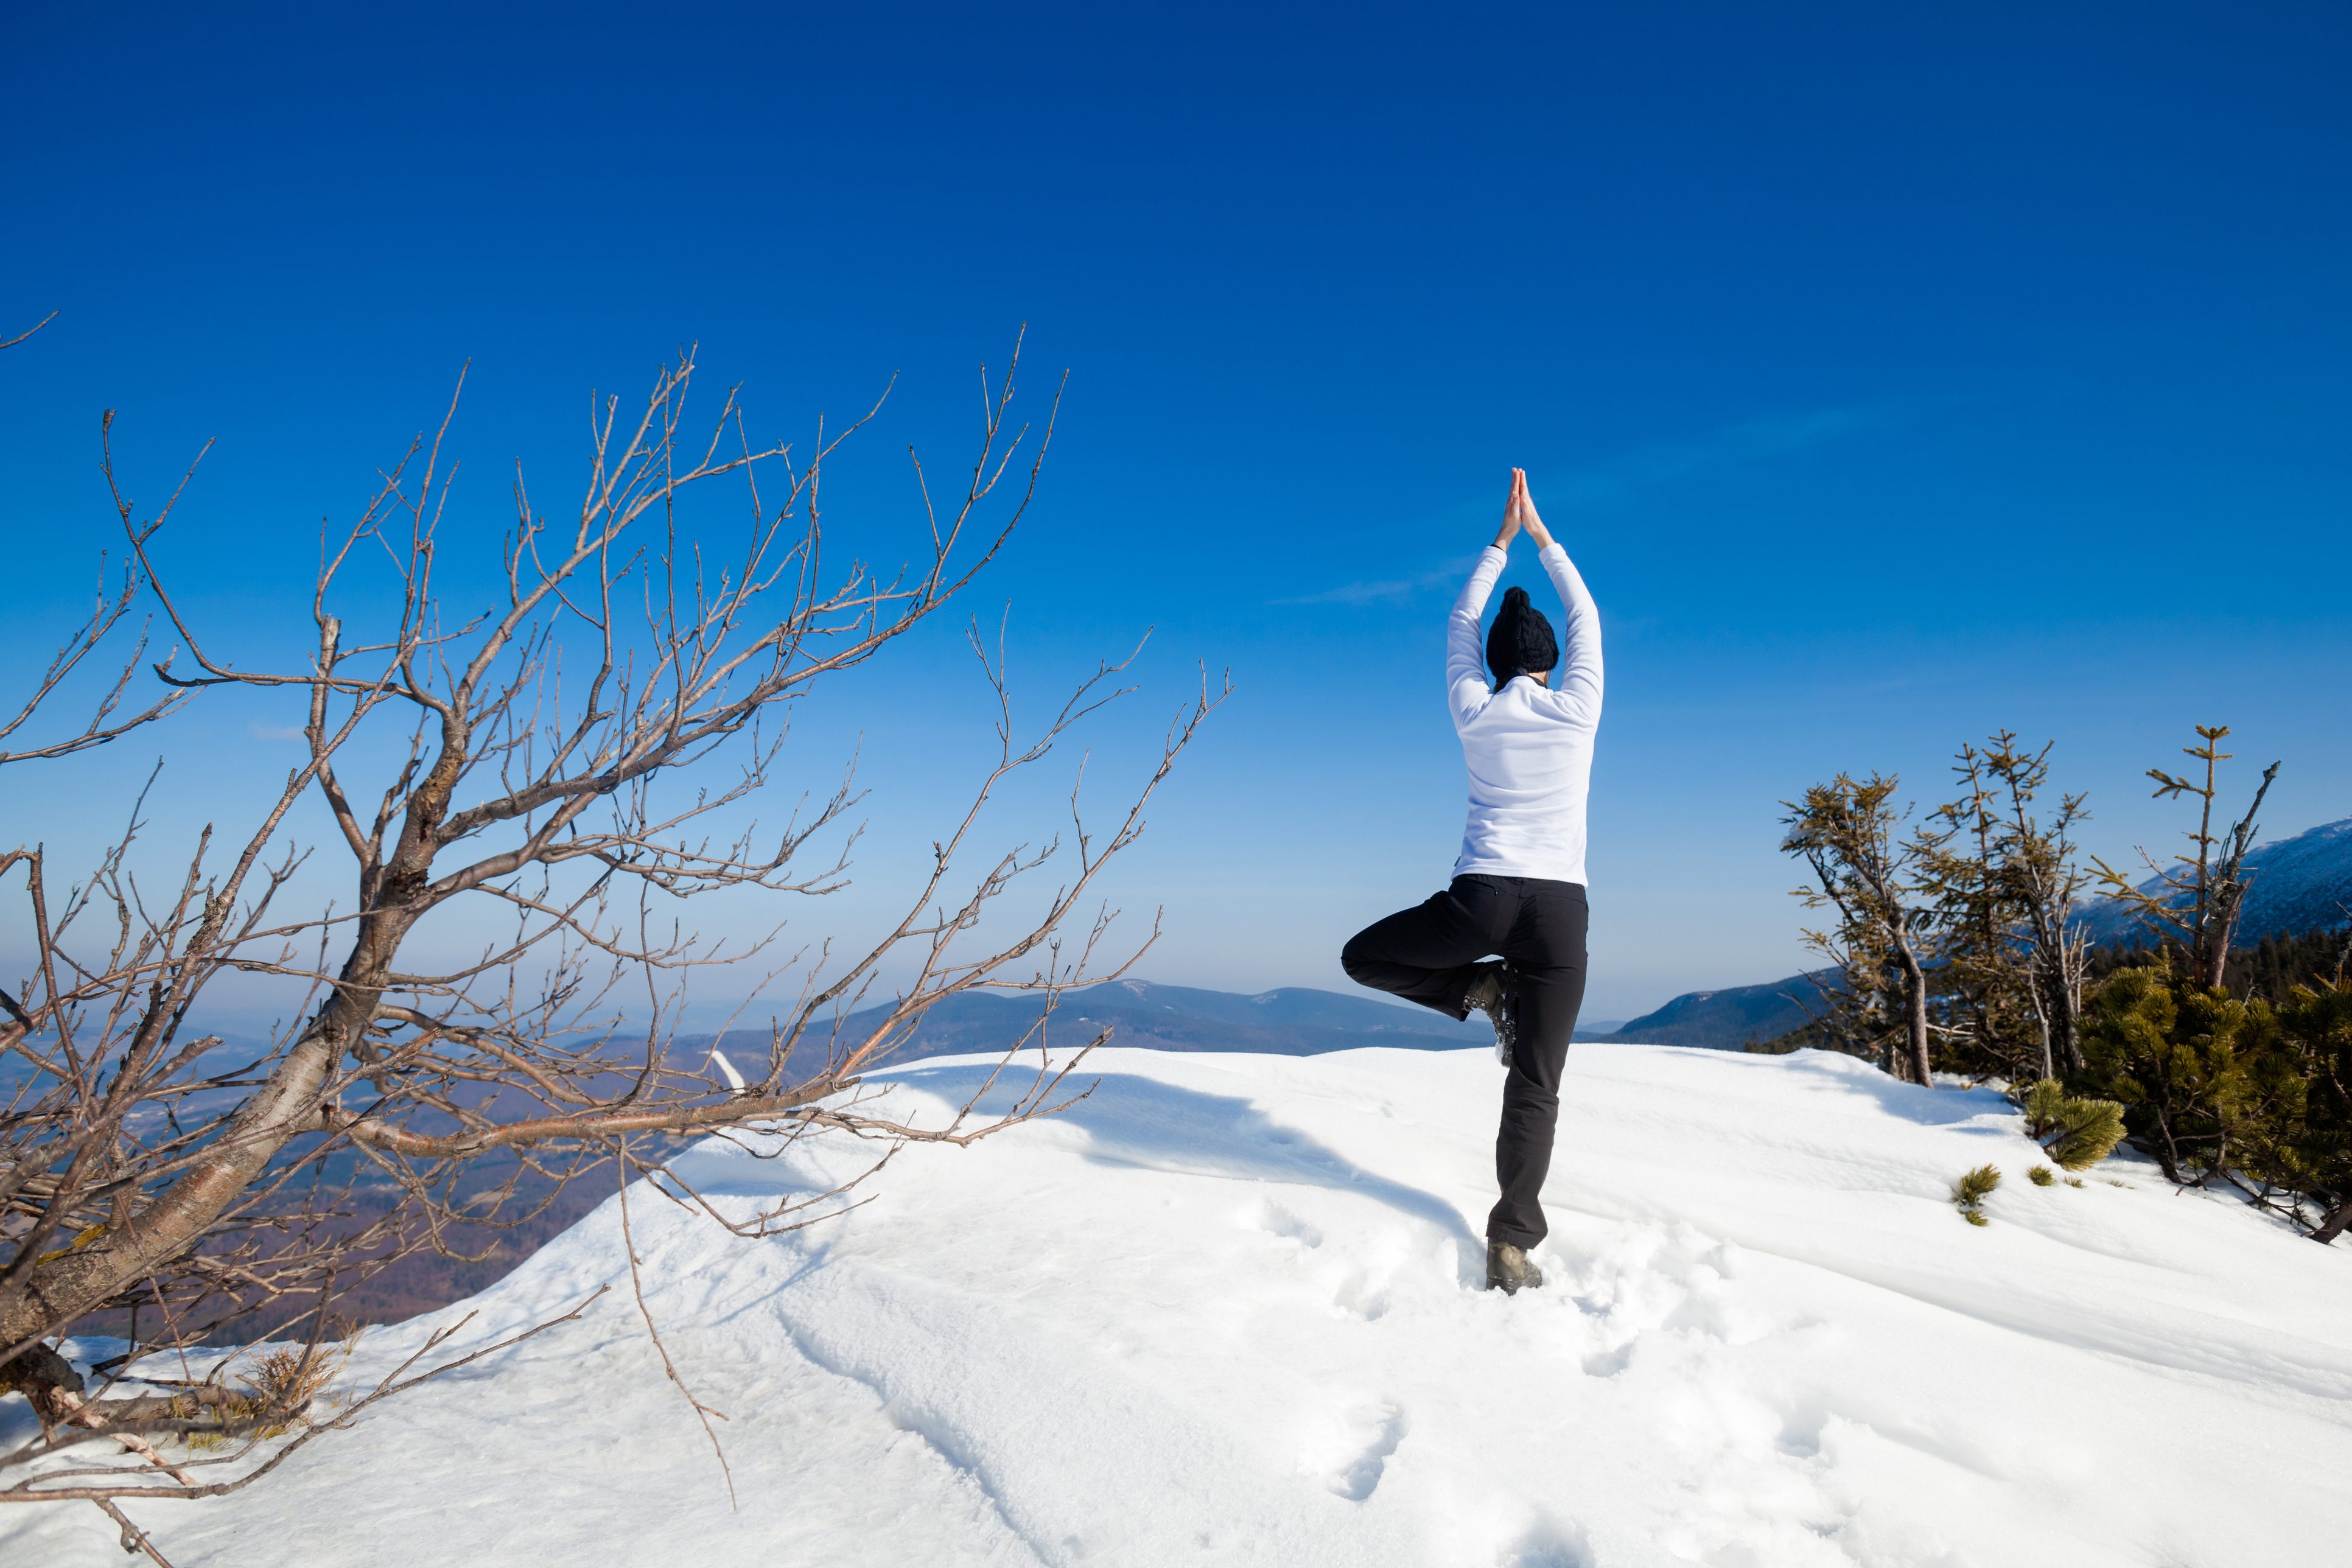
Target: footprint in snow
1361, 1297
1552, 1544
1381, 1427
1610, 1362
1276, 1220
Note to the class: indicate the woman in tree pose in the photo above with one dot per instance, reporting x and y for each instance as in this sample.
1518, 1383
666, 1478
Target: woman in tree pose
1518, 885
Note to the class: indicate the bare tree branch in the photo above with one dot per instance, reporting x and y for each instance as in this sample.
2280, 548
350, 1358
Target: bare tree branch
575, 763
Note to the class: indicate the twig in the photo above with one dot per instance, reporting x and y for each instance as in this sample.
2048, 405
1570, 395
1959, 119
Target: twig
702, 1412
134, 1539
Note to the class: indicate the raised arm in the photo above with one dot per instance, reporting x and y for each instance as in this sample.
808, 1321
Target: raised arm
1575, 684
1467, 690
1577, 681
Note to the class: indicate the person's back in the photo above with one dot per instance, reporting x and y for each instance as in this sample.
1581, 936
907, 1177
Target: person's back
1527, 740
1530, 762
1518, 884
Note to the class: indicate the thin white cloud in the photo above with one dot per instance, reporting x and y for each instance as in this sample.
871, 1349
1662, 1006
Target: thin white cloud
1380, 593
1660, 463
1665, 461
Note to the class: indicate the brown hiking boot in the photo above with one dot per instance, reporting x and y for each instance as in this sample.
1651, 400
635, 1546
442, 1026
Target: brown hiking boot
1496, 993
1508, 1269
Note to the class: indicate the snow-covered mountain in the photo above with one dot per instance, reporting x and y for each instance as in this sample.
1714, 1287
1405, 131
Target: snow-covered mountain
2300, 884
1225, 1311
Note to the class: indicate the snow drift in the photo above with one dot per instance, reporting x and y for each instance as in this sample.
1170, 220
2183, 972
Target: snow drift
1226, 1312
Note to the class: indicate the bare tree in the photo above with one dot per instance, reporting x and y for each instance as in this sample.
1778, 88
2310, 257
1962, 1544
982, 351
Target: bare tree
572, 758
1846, 831
2196, 901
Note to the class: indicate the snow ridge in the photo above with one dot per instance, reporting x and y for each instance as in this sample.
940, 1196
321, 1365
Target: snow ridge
1226, 1312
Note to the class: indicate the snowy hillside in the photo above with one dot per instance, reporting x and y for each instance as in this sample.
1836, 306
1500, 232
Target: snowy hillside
2300, 884
1225, 1312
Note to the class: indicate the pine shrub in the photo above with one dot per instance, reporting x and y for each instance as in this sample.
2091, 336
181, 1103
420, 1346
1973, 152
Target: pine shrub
1971, 1190
2076, 1133
2197, 1071
2299, 1140
2040, 1176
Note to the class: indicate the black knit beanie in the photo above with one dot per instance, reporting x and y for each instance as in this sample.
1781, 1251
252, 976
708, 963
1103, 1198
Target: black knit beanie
1520, 641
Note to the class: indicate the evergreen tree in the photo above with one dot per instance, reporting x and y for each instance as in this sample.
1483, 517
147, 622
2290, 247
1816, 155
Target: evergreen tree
2302, 1140
2277, 964
1845, 830
1967, 922
2251, 1082
2271, 969
1980, 1007
2187, 1063
2038, 869
2008, 989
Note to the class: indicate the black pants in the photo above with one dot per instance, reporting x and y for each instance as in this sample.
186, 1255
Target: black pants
1429, 955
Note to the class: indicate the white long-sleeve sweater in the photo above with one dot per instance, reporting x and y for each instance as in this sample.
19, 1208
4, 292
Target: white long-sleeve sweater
1528, 747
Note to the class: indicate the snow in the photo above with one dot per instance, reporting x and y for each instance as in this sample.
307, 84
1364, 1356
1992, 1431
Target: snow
1226, 1312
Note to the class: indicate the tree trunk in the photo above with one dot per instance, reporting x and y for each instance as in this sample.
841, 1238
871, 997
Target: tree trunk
2042, 1021
182, 1214
2216, 967
63, 1290
2062, 1015
2070, 1030
40, 1375
1915, 1007
2168, 1156
2334, 1224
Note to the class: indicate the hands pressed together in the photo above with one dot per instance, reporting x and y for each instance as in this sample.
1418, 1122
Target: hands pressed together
1520, 512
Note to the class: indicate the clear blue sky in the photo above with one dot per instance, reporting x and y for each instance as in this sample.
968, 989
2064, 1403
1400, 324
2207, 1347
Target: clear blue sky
1893, 373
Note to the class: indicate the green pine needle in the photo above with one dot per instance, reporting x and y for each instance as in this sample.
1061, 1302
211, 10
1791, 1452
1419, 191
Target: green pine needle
1971, 1190
2078, 1133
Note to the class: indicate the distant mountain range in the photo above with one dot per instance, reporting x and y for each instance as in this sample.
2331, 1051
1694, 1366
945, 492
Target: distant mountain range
2299, 884
1292, 1021
1722, 1020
